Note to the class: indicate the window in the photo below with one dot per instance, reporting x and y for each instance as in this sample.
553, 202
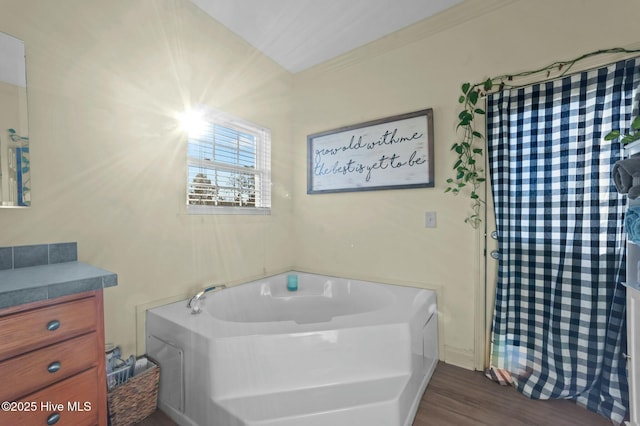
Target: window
229, 167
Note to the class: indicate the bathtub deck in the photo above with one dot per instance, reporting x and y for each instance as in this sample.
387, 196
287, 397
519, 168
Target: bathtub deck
378, 401
460, 397
296, 404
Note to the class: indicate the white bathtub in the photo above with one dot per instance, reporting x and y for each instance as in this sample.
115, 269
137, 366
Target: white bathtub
336, 352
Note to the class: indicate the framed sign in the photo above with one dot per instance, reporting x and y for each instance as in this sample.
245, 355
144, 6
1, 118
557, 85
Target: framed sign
389, 153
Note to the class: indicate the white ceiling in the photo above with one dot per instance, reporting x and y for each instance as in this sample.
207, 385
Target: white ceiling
298, 34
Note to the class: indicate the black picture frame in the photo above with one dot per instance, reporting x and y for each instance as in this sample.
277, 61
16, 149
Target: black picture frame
389, 153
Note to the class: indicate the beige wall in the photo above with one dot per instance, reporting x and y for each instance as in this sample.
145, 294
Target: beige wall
106, 79
381, 234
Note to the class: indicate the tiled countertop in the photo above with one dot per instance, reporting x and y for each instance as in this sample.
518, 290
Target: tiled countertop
64, 276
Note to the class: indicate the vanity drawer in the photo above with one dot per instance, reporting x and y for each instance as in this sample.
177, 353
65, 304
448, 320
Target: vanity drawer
43, 367
74, 400
24, 331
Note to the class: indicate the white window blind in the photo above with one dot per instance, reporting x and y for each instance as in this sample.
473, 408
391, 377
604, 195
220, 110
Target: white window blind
229, 168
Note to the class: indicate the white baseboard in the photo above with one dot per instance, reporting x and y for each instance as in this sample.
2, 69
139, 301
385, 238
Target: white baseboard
464, 358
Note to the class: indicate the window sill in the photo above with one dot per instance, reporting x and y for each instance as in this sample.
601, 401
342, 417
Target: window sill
206, 210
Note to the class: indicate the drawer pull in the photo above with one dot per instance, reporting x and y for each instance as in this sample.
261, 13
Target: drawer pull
54, 367
53, 419
53, 325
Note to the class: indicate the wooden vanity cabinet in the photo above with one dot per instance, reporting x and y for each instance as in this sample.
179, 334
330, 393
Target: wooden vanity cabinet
52, 362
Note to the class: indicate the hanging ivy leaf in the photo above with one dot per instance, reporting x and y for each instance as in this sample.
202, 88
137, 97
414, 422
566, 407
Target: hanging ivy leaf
464, 114
631, 137
473, 97
627, 139
464, 122
465, 87
612, 135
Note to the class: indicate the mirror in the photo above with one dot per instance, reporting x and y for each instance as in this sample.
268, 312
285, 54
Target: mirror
15, 170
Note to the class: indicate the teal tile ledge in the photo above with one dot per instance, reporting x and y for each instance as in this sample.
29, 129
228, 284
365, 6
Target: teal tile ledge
42, 282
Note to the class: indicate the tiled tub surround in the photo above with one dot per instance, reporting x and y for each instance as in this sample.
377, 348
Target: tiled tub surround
47, 271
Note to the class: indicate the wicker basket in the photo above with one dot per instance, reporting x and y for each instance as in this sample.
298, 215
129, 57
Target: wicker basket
135, 399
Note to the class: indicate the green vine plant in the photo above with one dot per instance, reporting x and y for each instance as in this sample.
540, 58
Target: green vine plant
469, 172
632, 136
469, 149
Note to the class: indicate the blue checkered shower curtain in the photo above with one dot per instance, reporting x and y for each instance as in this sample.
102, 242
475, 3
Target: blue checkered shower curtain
559, 321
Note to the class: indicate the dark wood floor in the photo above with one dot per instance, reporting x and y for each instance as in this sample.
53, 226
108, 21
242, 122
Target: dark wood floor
459, 397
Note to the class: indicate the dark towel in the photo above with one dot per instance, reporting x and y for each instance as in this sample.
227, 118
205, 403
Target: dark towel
626, 176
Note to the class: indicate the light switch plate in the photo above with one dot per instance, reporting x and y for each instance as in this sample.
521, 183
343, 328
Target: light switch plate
430, 220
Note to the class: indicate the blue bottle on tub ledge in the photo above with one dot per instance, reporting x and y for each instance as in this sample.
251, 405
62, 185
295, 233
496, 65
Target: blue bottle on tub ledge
292, 282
